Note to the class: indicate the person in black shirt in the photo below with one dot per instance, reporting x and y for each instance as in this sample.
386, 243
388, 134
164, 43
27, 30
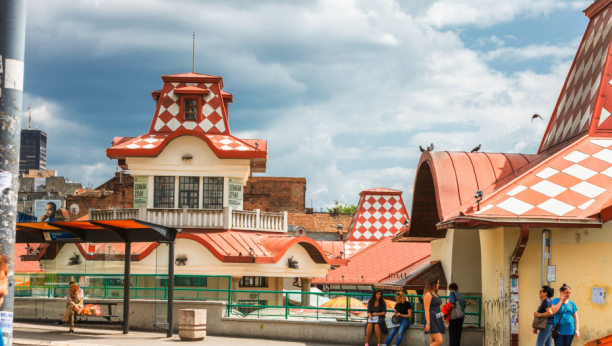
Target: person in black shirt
377, 309
403, 309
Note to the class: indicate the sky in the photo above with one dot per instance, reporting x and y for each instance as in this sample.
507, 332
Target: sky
344, 91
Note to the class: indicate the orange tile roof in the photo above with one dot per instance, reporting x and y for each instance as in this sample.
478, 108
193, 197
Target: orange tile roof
377, 261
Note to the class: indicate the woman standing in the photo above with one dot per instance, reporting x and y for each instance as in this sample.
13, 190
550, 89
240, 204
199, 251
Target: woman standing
377, 309
433, 315
544, 336
566, 316
403, 309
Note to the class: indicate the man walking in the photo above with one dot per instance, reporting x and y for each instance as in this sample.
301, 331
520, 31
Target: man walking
457, 315
74, 304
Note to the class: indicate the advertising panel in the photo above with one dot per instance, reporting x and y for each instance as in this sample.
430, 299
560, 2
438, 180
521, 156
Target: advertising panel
141, 191
44, 209
235, 193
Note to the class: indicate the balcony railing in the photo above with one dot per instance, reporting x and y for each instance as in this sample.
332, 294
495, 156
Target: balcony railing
225, 218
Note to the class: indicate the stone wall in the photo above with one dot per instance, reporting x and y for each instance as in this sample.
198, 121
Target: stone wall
143, 313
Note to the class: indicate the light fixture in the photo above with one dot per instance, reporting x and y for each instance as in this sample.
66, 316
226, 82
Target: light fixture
180, 261
187, 157
478, 196
293, 264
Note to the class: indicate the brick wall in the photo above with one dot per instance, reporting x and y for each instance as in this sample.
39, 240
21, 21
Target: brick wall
117, 192
321, 222
274, 194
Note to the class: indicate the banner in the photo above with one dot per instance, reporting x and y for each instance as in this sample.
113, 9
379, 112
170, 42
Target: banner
235, 193
141, 191
44, 209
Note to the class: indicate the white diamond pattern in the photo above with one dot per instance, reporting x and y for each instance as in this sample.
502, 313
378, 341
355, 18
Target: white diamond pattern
547, 173
579, 172
588, 189
556, 207
547, 188
380, 216
515, 206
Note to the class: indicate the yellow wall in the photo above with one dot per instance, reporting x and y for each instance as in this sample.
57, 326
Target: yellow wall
583, 261
459, 253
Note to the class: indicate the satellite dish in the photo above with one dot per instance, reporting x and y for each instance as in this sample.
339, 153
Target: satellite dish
74, 209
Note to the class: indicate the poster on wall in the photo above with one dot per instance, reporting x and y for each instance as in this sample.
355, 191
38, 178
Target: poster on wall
44, 209
235, 193
141, 191
598, 295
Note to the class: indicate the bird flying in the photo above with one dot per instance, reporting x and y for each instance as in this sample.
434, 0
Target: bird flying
475, 150
536, 116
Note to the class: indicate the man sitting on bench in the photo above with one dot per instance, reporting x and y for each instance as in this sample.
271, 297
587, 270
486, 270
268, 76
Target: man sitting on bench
74, 304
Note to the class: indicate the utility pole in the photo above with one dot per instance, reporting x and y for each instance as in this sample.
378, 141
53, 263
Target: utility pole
12, 51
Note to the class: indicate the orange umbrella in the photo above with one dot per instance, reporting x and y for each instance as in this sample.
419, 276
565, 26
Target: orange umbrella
340, 303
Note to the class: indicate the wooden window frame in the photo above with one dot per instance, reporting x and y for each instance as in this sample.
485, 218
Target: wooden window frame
243, 281
197, 98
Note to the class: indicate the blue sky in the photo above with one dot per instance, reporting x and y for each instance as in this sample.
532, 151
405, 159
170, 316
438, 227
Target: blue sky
344, 91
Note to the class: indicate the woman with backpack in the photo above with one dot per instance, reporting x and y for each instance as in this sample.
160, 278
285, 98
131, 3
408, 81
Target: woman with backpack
544, 335
566, 318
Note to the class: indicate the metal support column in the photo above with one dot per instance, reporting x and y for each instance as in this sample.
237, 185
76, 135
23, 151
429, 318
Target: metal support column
12, 52
126, 288
170, 287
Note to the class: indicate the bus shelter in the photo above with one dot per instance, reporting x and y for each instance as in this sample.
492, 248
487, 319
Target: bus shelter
112, 231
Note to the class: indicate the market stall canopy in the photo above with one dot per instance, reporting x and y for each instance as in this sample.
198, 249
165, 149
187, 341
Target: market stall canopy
113, 231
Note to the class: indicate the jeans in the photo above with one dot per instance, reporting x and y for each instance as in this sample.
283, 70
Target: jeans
564, 340
404, 324
544, 336
455, 328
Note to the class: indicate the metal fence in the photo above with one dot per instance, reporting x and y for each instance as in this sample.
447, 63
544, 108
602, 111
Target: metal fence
315, 305
142, 286
245, 303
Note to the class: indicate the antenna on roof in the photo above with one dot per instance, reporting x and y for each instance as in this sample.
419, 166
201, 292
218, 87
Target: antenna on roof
30, 117
193, 55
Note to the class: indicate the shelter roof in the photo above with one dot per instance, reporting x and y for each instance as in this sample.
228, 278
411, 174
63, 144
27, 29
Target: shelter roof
380, 213
415, 276
22, 266
377, 261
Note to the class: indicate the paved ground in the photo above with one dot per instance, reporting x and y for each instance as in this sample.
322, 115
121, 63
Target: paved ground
30, 334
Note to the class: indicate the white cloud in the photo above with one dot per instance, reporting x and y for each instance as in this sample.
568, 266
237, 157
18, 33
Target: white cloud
487, 12
344, 91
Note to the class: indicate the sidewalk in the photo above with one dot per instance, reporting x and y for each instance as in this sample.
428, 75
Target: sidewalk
46, 334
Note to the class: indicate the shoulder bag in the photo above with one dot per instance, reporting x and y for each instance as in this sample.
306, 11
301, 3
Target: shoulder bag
556, 331
539, 323
457, 311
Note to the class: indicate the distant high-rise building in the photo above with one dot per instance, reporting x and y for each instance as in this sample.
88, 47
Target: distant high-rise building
33, 150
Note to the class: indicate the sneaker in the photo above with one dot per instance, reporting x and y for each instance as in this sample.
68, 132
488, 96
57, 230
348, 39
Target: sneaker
71, 332
60, 323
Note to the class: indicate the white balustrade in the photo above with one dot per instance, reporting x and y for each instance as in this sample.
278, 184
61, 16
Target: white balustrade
198, 218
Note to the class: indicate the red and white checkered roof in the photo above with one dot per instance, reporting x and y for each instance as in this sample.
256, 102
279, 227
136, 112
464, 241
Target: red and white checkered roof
351, 248
167, 117
578, 108
380, 213
574, 183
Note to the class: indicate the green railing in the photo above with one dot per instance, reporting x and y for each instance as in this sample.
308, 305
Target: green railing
245, 303
110, 286
316, 305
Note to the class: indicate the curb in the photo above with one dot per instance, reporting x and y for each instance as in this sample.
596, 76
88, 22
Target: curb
17, 341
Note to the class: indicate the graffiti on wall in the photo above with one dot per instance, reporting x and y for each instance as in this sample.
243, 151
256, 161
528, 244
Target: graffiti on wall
496, 314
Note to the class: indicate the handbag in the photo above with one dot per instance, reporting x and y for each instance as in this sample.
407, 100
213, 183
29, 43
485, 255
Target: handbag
391, 322
556, 331
395, 319
457, 311
539, 323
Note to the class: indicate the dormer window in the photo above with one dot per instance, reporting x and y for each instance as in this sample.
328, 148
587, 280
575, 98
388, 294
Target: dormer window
191, 109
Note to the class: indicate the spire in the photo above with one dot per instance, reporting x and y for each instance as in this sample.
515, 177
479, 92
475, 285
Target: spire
580, 107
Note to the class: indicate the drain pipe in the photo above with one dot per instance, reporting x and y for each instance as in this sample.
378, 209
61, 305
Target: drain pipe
514, 303
546, 254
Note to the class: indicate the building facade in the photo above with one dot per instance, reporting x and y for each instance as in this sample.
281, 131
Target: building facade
503, 225
33, 150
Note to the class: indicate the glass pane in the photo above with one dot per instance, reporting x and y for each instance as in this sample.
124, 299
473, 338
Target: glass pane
212, 193
163, 192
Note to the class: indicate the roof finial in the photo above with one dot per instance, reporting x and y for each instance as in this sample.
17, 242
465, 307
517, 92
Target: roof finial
193, 55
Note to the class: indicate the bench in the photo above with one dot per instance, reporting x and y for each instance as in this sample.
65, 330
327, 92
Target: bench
108, 317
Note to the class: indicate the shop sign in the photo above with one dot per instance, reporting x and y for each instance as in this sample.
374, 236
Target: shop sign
236, 190
141, 191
